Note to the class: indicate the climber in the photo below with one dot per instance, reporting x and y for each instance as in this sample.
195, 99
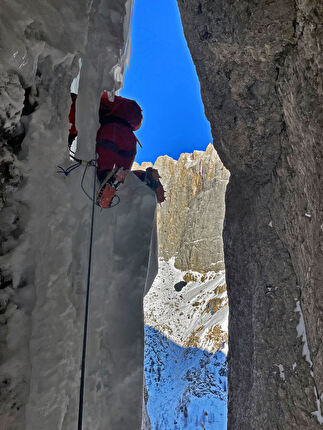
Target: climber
116, 148
116, 144
71, 117
150, 177
115, 140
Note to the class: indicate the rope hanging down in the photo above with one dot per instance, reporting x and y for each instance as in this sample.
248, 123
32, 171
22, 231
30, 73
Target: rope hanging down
66, 172
82, 381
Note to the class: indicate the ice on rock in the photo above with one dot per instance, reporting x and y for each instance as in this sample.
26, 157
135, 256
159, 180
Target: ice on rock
122, 268
40, 46
103, 66
301, 332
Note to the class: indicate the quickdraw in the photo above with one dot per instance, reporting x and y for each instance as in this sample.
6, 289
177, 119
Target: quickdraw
70, 169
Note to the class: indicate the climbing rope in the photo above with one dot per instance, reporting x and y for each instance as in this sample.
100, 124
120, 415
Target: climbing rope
83, 363
66, 172
82, 181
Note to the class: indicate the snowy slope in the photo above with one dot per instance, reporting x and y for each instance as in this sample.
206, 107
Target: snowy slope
197, 315
187, 387
186, 347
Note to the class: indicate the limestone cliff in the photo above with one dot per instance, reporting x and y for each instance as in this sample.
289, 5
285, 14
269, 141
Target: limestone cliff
260, 69
195, 187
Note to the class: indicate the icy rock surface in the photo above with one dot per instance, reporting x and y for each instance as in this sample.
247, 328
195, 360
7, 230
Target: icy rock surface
45, 218
103, 65
260, 69
114, 371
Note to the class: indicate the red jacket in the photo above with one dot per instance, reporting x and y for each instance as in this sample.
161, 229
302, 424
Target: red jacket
115, 140
71, 115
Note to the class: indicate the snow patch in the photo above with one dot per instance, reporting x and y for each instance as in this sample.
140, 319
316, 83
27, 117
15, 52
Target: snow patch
318, 412
281, 371
195, 316
301, 332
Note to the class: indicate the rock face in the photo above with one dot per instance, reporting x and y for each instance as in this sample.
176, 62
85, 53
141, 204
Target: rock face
186, 310
260, 68
195, 187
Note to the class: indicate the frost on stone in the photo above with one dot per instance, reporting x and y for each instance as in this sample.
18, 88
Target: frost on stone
318, 412
301, 332
46, 256
103, 66
281, 371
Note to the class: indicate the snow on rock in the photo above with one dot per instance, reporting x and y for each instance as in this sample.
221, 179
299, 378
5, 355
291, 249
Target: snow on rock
103, 65
301, 332
187, 387
318, 412
281, 371
195, 316
124, 265
114, 371
46, 223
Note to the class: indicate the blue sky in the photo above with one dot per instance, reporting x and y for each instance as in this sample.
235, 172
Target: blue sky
162, 79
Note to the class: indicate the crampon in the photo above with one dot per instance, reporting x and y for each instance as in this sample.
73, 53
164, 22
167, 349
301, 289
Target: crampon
106, 195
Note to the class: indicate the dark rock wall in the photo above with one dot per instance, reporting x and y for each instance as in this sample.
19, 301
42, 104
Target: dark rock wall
260, 69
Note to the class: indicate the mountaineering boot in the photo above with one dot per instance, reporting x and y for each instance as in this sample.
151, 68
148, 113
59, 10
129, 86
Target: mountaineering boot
108, 188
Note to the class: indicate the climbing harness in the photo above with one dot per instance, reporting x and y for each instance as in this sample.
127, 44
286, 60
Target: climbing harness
70, 169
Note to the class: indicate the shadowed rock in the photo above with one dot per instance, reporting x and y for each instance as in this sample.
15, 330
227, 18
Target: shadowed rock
260, 69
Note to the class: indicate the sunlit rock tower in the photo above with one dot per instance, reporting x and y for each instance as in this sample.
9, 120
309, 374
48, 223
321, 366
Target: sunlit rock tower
45, 225
260, 69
